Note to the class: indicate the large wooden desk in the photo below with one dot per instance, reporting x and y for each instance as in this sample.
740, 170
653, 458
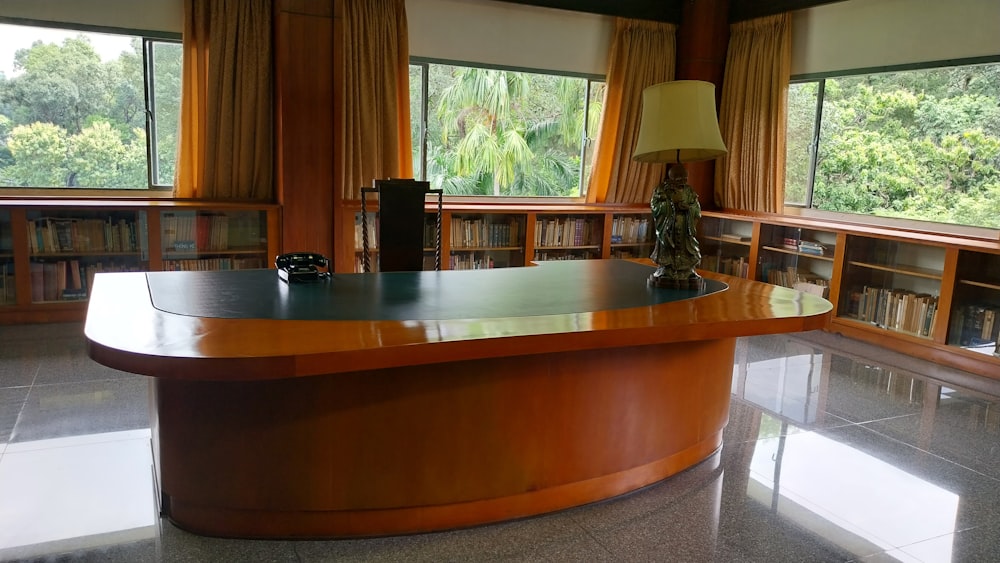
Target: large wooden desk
277, 427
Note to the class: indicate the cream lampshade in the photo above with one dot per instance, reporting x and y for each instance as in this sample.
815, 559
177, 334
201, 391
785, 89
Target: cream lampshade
679, 124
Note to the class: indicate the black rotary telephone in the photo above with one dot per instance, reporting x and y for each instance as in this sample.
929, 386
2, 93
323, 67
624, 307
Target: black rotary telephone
302, 267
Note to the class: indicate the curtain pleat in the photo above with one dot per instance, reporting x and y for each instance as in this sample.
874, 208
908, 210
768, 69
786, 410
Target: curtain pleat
643, 53
376, 140
227, 131
753, 115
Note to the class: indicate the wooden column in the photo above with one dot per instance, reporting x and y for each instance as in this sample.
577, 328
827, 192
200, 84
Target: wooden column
305, 123
702, 40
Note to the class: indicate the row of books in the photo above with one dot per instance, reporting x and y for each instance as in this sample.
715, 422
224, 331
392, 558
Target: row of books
482, 233
791, 277
630, 230
738, 266
71, 280
211, 264
976, 326
472, 262
184, 232
576, 255
803, 246
566, 232
58, 235
7, 285
894, 309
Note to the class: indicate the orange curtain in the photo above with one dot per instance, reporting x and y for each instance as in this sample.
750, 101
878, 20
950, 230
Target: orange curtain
753, 115
643, 53
226, 133
376, 134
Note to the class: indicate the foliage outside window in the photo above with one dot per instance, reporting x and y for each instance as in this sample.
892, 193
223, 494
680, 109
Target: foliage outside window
491, 132
917, 144
86, 110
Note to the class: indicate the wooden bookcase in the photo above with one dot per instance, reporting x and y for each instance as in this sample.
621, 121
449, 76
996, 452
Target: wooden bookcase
929, 295
8, 285
51, 249
501, 236
727, 245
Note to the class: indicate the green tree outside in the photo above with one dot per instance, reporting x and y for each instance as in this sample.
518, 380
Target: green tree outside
69, 119
921, 145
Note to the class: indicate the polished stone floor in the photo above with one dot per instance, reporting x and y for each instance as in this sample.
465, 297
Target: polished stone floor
835, 451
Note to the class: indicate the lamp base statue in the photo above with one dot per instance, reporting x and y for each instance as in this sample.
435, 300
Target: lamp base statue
675, 219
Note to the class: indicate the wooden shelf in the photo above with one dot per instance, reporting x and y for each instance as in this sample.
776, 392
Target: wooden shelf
875, 327
85, 253
484, 248
993, 286
143, 221
797, 253
901, 269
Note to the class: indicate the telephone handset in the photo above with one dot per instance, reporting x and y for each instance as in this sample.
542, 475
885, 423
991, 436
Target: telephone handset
302, 266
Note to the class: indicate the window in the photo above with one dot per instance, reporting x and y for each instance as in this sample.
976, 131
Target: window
494, 132
916, 144
87, 110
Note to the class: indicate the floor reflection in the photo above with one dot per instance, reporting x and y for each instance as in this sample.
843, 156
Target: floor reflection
835, 451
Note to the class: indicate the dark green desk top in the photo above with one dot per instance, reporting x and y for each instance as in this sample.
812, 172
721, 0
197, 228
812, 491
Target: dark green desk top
552, 288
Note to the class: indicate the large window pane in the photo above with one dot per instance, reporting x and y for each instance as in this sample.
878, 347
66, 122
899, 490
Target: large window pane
73, 109
165, 104
417, 118
922, 144
800, 138
493, 132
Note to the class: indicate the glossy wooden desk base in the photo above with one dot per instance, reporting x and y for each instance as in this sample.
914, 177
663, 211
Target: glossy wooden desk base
268, 427
432, 447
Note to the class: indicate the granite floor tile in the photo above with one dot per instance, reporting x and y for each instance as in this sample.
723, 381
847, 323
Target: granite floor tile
977, 544
18, 365
69, 409
11, 403
834, 451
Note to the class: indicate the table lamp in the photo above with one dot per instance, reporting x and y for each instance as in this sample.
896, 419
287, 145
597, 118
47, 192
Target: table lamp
678, 125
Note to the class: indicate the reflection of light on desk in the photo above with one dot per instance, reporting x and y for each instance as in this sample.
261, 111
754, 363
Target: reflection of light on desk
848, 497
76, 493
466, 329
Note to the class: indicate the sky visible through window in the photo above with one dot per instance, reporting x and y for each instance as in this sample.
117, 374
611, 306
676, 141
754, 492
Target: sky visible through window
20, 37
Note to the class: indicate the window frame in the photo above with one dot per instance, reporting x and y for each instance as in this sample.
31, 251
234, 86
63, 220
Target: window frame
806, 209
585, 142
147, 39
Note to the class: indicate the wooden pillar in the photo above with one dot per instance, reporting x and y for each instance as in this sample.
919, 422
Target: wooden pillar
305, 123
702, 40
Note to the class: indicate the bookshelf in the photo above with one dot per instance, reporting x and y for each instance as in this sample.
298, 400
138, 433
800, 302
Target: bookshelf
568, 237
214, 239
727, 245
975, 311
8, 289
893, 285
922, 293
795, 257
490, 240
67, 247
477, 235
51, 249
632, 235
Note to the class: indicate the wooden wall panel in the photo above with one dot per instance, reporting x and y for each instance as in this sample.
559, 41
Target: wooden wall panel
304, 115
